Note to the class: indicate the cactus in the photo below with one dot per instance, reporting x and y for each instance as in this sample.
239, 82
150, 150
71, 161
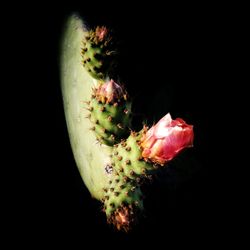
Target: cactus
113, 160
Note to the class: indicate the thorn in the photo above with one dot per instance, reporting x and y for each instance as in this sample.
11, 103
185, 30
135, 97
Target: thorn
115, 153
133, 133
128, 162
116, 193
119, 158
110, 182
139, 158
132, 173
125, 111
102, 109
115, 104
97, 122
109, 118
88, 116
86, 102
93, 128
128, 148
155, 166
105, 190
125, 97
112, 205
136, 203
117, 180
92, 96
106, 197
104, 130
89, 70
138, 180
132, 189
90, 109
112, 137
112, 189
120, 126
143, 171
125, 178
88, 59
126, 193
122, 186
121, 170
85, 49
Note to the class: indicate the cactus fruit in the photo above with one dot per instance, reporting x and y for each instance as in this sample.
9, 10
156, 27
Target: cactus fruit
110, 112
114, 169
97, 52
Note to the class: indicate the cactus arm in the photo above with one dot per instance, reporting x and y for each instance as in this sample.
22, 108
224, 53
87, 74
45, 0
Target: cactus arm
91, 157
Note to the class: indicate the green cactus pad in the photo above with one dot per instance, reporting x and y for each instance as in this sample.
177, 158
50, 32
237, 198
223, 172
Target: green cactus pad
127, 157
97, 55
123, 201
110, 122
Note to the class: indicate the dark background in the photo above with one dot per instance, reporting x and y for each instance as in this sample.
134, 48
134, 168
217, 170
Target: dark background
172, 60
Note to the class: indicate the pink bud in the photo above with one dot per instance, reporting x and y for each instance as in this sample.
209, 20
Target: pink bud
101, 32
109, 92
163, 141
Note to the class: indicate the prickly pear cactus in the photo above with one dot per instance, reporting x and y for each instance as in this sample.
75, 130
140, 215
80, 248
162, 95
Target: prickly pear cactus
113, 160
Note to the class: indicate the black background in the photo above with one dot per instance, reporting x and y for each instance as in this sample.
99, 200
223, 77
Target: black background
176, 57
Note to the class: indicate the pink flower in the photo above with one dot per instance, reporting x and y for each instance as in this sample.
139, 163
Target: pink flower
166, 139
109, 92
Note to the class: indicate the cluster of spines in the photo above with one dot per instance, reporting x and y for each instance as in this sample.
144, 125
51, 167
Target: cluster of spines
97, 52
